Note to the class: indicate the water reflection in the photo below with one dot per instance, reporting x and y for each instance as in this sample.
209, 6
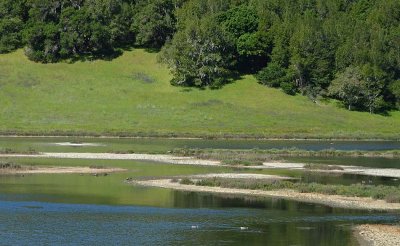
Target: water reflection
155, 145
272, 222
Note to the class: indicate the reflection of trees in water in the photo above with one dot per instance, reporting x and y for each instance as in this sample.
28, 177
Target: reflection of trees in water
189, 199
274, 222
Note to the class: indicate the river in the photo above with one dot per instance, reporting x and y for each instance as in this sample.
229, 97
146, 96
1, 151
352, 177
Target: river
71, 209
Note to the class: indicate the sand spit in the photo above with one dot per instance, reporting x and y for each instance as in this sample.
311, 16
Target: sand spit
71, 144
329, 200
111, 156
60, 170
381, 172
170, 159
378, 235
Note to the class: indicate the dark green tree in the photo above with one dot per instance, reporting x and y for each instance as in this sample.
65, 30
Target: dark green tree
154, 22
200, 55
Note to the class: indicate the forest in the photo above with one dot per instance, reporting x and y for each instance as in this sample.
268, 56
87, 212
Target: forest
346, 50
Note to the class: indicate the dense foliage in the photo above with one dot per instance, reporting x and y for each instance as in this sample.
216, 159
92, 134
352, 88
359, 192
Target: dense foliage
347, 50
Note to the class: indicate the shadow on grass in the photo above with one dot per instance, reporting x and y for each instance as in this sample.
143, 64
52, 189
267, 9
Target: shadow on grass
151, 50
109, 55
105, 56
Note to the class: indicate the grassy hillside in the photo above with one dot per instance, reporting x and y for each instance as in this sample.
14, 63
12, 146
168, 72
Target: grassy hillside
132, 95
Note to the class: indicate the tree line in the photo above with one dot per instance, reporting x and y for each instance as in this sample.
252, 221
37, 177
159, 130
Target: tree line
343, 49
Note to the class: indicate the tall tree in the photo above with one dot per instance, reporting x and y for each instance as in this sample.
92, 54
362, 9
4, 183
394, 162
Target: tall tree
199, 55
154, 22
348, 86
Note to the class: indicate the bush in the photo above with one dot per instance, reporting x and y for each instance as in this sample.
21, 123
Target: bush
322, 167
186, 181
393, 198
289, 88
272, 75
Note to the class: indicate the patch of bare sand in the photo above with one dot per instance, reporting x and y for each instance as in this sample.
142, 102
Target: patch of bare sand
111, 156
380, 172
170, 159
329, 200
72, 144
378, 235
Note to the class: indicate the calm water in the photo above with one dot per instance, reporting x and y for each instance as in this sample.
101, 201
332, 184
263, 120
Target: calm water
82, 209
217, 221
69, 224
164, 145
351, 161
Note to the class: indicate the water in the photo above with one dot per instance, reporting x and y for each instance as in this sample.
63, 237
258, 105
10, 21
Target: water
72, 209
272, 223
380, 162
347, 179
155, 145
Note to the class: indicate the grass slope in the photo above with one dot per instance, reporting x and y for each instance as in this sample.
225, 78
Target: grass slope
132, 95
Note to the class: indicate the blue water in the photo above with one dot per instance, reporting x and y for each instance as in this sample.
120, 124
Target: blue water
38, 223
164, 145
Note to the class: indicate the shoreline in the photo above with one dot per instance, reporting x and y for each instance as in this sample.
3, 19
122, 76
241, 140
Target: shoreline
357, 170
202, 137
377, 235
327, 200
169, 159
188, 160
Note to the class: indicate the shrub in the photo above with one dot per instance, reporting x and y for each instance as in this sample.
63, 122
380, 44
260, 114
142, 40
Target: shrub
393, 198
186, 181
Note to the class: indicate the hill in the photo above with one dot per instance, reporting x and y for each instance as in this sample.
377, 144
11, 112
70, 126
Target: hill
131, 95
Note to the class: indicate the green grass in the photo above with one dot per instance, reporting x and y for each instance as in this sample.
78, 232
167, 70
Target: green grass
131, 96
263, 155
322, 167
388, 193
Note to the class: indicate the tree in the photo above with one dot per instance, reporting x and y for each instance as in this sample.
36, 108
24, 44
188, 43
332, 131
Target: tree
348, 86
272, 75
43, 42
199, 55
154, 22
253, 49
240, 20
395, 91
374, 82
65, 29
13, 14
311, 54
10, 34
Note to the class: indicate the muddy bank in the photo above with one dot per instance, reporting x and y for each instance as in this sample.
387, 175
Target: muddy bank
329, 200
377, 235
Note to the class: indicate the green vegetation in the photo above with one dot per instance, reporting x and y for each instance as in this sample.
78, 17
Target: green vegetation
116, 98
186, 181
322, 167
55, 30
9, 165
388, 193
238, 161
299, 46
346, 50
29, 151
257, 155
